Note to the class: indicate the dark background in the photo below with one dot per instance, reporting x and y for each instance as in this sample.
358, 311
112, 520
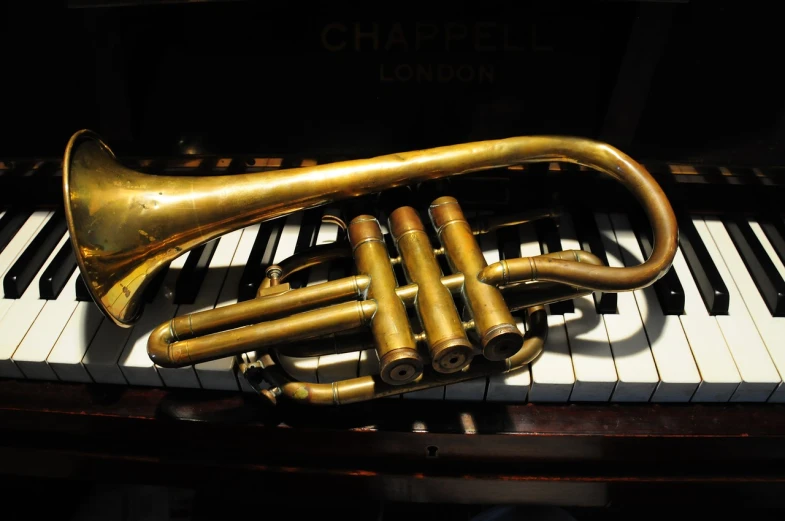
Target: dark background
669, 80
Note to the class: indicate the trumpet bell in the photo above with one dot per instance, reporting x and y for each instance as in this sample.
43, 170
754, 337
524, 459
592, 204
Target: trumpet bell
97, 226
125, 225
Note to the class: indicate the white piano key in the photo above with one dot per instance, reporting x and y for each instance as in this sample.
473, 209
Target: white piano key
305, 368
31, 355
719, 376
342, 366
470, 390
288, 240
632, 356
134, 361
767, 246
369, 363
679, 376
203, 374
512, 386
592, 359
771, 329
434, 393
16, 246
758, 374
204, 301
20, 317
229, 379
302, 369
328, 231
21, 239
551, 373
552, 376
70, 348
101, 357
757, 332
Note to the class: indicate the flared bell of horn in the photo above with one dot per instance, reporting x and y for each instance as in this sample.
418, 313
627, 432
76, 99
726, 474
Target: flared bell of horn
126, 225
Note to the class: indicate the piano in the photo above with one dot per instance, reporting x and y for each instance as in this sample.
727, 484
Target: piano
673, 393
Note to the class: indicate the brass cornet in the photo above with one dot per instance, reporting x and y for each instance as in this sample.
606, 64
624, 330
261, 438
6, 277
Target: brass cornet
125, 226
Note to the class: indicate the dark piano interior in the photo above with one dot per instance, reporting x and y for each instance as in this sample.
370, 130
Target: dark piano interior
669, 82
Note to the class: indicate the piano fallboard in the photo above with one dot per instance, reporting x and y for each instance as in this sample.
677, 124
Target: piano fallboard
571, 454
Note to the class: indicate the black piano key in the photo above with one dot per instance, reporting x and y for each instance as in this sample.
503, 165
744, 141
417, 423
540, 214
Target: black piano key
669, 290
10, 224
260, 258
21, 274
708, 279
47, 169
309, 228
237, 166
21, 168
154, 286
509, 242
774, 228
57, 273
550, 242
768, 280
82, 293
589, 237
194, 270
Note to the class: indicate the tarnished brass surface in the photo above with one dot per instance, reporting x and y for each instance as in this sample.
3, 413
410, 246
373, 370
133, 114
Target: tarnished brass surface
448, 344
307, 259
399, 360
125, 226
488, 224
261, 336
499, 336
174, 343
371, 387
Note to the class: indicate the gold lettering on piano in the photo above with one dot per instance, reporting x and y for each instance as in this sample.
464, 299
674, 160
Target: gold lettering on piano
483, 37
396, 39
424, 33
470, 38
422, 36
333, 37
454, 32
436, 73
360, 35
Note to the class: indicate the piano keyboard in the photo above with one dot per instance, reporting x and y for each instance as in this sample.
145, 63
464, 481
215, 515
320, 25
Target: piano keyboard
712, 330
